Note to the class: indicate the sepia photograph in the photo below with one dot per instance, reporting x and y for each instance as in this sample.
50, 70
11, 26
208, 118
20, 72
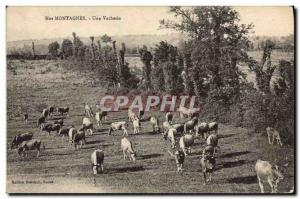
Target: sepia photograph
150, 100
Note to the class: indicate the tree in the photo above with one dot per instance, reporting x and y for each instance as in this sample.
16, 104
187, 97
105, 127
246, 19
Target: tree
67, 48
263, 70
146, 58
53, 49
106, 39
166, 75
218, 44
77, 44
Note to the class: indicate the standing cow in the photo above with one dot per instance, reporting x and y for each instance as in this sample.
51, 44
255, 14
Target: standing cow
207, 164
136, 126
179, 159
87, 125
155, 124
63, 110
33, 144
122, 125
127, 149
45, 113
97, 159
25, 118
185, 143
190, 125
272, 135
21, 137
79, 137
88, 110
268, 173
169, 117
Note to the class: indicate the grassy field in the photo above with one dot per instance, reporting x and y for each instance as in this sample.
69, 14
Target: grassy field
33, 85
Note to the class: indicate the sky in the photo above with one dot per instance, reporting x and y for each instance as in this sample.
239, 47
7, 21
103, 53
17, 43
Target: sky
29, 22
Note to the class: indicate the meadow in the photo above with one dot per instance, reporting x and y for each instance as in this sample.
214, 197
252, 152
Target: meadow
34, 85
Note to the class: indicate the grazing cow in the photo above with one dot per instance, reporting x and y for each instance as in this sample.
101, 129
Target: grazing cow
99, 116
207, 164
119, 126
169, 117
64, 131
104, 114
136, 126
179, 158
179, 128
126, 146
155, 124
171, 136
41, 121
97, 159
79, 137
60, 122
190, 125
272, 135
88, 110
51, 110
185, 112
141, 114
45, 113
51, 127
63, 110
212, 140
202, 128
87, 125
213, 126
166, 126
268, 173
71, 133
185, 143
21, 137
30, 145
25, 118
131, 115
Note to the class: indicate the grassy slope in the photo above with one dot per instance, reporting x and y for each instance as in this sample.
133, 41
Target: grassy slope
40, 83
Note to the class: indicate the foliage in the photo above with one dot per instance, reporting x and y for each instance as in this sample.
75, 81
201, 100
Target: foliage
53, 49
146, 58
67, 48
106, 39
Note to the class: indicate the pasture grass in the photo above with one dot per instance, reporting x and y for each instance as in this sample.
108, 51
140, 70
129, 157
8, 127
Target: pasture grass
153, 172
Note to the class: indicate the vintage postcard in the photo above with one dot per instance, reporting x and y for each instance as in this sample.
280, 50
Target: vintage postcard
150, 100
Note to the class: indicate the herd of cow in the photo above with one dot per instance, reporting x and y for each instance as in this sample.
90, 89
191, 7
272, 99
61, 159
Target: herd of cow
180, 135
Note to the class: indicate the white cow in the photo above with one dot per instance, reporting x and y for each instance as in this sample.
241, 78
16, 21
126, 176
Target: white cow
186, 142
131, 115
166, 126
136, 126
87, 125
72, 132
155, 124
273, 134
268, 173
122, 125
99, 116
97, 159
171, 136
88, 110
127, 149
212, 140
